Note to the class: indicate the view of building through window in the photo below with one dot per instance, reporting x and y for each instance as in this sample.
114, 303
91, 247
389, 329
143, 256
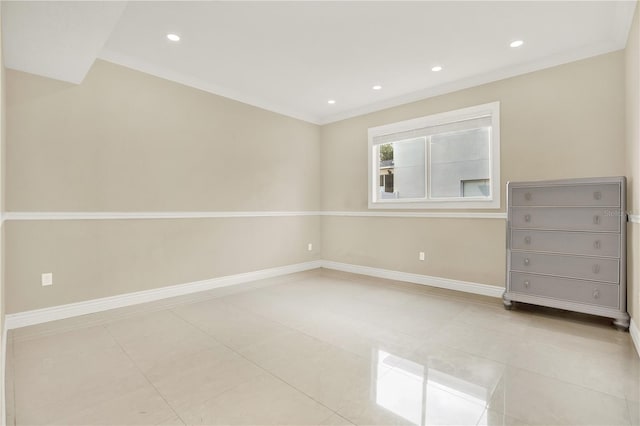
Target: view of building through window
458, 161
445, 160
458, 165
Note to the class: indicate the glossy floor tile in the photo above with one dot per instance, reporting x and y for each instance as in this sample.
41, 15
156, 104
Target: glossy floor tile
323, 348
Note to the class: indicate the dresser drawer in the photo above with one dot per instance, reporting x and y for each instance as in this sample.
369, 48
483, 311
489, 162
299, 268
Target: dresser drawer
588, 292
566, 218
586, 268
567, 195
588, 243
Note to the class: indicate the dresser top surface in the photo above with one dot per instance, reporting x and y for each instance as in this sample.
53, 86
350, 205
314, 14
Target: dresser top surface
573, 181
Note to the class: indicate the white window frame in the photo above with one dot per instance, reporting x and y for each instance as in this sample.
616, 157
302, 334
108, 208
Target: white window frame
491, 202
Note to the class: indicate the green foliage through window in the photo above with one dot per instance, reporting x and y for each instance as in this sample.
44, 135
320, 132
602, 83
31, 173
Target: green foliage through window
386, 152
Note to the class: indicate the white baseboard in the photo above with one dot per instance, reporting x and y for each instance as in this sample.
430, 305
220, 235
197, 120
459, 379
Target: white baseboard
465, 286
3, 367
38, 316
635, 335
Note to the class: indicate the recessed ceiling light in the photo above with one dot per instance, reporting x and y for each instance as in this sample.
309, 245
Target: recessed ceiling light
377, 87
173, 37
436, 68
331, 101
516, 43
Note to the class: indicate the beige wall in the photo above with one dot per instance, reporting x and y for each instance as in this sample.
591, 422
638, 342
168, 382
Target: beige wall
125, 141
3, 133
566, 121
2, 204
98, 258
452, 246
632, 81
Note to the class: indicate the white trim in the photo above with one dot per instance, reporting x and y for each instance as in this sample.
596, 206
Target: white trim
196, 83
38, 316
624, 13
464, 286
635, 335
478, 80
3, 376
491, 110
465, 83
149, 215
3, 356
199, 215
634, 218
447, 215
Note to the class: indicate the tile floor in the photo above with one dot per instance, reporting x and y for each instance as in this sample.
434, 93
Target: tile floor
326, 348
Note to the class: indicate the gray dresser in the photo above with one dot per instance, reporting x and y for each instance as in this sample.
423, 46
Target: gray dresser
566, 246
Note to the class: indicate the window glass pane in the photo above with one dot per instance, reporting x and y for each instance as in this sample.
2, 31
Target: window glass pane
441, 161
459, 157
455, 126
401, 169
475, 188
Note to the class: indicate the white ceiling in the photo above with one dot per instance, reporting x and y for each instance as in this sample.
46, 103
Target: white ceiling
291, 57
59, 40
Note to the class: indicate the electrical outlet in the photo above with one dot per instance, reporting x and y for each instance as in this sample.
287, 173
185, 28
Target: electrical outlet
421, 255
309, 246
47, 279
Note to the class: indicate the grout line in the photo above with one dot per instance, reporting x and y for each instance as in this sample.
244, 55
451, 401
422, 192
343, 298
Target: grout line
105, 326
629, 410
485, 412
330, 344
348, 351
505, 364
270, 373
171, 310
75, 309
343, 418
148, 307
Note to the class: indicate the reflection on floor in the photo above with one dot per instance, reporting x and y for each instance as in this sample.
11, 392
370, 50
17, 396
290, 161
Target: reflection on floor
323, 347
420, 395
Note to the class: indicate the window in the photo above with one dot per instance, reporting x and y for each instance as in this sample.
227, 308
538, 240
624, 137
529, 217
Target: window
474, 188
448, 160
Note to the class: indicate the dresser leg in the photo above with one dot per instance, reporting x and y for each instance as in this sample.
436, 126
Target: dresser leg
621, 324
508, 304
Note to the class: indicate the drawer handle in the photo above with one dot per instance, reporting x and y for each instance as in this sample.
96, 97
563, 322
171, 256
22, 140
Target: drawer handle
526, 260
527, 283
527, 240
596, 244
596, 294
596, 220
597, 195
527, 218
527, 196
596, 269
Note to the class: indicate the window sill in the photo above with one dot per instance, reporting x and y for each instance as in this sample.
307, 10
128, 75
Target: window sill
440, 205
